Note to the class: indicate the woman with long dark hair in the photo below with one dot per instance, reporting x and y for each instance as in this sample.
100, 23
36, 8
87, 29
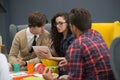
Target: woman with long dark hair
60, 33
61, 36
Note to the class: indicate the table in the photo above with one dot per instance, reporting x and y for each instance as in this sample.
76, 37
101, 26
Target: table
23, 74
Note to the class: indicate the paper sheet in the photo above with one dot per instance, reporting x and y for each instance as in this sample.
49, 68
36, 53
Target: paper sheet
44, 49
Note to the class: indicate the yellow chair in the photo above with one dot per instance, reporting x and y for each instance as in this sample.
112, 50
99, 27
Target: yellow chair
108, 30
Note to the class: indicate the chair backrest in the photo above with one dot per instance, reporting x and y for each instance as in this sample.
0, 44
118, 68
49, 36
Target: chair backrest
13, 29
115, 57
109, 31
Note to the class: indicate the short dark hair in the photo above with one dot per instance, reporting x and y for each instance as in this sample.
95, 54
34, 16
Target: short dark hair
81, 18
37, 19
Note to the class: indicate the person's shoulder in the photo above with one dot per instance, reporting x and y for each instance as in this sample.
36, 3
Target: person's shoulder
2, 56
95, 32
46, 32
71, 38
77, 41
80, 41
21, 32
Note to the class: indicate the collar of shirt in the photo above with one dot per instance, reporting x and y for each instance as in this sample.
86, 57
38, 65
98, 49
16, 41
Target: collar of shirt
30, 37
69, 37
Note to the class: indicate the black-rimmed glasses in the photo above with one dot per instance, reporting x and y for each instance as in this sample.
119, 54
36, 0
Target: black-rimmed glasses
59, 23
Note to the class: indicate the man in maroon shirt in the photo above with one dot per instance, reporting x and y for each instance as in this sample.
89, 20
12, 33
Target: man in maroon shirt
88, 57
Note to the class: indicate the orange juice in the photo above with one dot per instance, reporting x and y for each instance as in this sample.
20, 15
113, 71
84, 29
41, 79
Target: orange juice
30, 67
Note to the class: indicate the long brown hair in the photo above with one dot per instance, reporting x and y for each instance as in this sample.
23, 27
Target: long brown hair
55, 35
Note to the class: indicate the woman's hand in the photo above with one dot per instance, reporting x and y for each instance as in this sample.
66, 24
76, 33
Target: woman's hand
63, 64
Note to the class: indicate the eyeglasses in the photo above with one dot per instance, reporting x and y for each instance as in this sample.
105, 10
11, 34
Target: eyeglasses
59, 23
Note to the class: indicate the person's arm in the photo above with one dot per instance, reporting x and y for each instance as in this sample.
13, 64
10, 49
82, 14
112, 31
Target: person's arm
34, 60
57, 58
72, 62
48, 72
54, 54
45, 55
14, 51
48, 42
75, 65
4, 68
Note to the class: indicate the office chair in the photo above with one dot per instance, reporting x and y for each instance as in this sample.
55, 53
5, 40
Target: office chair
115, 57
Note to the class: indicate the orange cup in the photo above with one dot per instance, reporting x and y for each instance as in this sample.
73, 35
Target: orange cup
30, 67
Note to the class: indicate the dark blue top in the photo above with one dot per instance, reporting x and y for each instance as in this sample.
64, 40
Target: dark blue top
64, 44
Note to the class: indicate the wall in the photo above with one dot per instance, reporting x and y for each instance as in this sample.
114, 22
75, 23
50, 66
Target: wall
4, 23
101, 10
18, 10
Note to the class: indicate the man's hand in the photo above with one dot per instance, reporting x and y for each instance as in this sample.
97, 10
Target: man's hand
21, 61
44, 54
48, 74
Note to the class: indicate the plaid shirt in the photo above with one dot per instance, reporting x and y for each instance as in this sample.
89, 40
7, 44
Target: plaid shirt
89, 58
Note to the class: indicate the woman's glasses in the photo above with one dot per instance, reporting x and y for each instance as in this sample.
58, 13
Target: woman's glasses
59, 23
